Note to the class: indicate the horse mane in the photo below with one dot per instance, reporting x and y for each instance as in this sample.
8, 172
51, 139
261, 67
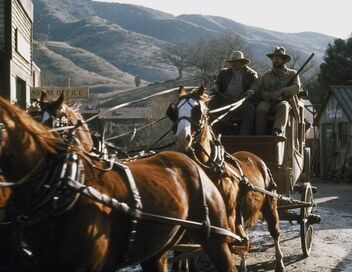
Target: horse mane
72, 112
45, 138
204, 97
73, 109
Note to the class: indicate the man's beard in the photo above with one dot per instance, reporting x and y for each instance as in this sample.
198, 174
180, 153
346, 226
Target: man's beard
278, 65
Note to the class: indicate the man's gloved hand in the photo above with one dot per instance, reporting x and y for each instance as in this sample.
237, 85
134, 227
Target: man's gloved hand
248, 92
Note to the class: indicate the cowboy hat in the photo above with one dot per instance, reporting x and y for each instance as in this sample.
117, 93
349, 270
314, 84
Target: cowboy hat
238, 56
280, 51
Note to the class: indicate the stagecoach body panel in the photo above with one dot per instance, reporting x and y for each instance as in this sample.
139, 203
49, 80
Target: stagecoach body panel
285, 163
284, 155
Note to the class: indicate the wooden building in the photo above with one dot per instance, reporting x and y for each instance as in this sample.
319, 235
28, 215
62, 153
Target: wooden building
335, 127
18, 71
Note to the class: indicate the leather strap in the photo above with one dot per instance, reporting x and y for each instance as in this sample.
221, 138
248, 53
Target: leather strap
123, 207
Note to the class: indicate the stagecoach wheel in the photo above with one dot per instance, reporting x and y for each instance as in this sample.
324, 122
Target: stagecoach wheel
306, 165
306, 227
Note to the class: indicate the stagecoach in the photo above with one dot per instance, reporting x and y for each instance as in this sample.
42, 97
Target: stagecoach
288, 158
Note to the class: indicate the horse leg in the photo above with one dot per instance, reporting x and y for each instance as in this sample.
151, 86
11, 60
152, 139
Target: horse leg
272, 217
219, 253
244, 247
156, 264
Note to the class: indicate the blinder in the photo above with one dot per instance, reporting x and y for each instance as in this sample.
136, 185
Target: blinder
171, 112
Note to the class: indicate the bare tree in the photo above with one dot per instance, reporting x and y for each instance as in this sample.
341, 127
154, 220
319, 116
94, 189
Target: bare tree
208, 56
297, 59
175, 55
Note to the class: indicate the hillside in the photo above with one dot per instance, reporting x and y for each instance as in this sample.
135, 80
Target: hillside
60, 61
96, 43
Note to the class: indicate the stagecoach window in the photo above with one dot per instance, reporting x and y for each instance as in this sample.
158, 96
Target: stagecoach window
343, 134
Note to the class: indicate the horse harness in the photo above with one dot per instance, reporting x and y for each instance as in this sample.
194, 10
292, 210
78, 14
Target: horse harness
59, 189
216, 165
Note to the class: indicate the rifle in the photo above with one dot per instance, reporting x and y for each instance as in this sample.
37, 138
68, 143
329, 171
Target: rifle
292, 79
294, 99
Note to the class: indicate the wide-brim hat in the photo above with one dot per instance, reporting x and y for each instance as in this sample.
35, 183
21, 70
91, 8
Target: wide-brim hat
238, 56
280, 51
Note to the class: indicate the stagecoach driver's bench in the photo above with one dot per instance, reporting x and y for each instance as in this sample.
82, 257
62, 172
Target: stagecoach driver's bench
231, 84
277, 89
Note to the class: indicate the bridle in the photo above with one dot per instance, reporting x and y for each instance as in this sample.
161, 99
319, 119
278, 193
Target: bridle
199, 125
216, 159
56, 121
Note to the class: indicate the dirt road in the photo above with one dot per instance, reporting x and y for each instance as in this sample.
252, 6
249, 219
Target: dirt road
332, 241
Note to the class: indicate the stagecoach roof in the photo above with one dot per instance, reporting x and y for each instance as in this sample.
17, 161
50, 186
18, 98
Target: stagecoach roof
343, 95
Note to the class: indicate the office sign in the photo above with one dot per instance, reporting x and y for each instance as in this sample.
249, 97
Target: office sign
55, 92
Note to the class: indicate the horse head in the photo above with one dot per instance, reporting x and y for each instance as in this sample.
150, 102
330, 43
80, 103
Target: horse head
23, 142
190, 117
56, 114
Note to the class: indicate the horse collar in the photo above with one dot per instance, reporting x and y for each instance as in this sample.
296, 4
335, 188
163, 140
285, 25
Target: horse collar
52, 195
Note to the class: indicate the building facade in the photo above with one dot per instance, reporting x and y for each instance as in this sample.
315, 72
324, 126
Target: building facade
18, 71
335, 127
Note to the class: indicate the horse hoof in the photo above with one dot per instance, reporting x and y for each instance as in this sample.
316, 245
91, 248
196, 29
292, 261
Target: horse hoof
242, 269
279, 269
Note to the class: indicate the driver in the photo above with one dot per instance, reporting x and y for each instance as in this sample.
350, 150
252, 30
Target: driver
232, 84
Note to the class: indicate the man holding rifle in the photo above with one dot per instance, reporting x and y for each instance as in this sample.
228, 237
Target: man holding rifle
276, 87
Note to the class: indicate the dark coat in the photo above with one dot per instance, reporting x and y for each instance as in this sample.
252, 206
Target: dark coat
249, 79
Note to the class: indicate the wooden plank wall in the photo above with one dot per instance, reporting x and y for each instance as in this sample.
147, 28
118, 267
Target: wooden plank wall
2, 25
22, 23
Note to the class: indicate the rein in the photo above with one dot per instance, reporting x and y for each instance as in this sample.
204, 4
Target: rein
243, 181
229, 108
123, 207
133, 101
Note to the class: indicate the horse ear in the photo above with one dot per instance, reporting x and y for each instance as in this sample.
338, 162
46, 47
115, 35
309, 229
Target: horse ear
201, 90
181, 91
60, 100
43, 97
43, 100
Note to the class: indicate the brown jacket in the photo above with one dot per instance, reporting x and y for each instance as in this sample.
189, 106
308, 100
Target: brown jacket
275, 80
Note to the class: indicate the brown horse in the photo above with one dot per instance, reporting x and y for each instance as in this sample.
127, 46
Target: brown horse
194, 136
88, 235
56, 114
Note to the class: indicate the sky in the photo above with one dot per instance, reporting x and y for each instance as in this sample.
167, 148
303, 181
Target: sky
333, 18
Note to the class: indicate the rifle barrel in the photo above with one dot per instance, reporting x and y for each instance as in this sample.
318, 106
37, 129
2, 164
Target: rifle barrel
305, 63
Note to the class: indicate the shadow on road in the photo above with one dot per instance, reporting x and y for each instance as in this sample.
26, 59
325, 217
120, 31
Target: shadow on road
270, 265
345, 264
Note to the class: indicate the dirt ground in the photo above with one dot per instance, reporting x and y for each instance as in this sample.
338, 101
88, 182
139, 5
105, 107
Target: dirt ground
332, 241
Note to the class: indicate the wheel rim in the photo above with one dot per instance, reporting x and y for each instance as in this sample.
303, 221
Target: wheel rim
306, 229
308, 198
308, 238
